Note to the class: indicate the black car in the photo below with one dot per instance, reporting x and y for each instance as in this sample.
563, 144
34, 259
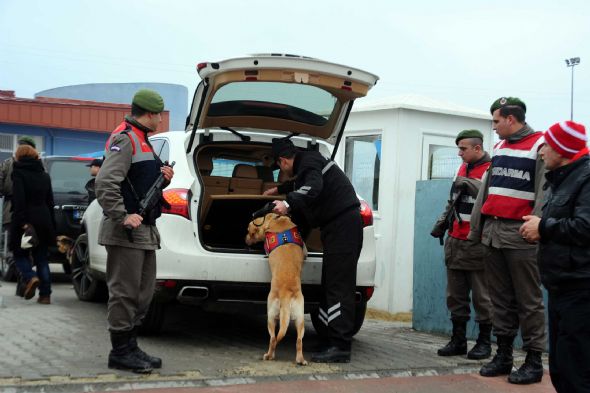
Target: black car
69, 176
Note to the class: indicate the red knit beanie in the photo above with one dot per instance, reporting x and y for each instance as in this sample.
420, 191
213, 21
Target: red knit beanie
567, 138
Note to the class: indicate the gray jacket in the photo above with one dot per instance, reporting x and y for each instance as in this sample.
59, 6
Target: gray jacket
108, 192
6, 189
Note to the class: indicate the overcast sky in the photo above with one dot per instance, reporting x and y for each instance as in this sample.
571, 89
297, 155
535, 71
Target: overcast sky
465, 52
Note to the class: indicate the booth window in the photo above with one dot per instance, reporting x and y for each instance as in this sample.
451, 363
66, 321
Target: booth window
443, 162
361, 164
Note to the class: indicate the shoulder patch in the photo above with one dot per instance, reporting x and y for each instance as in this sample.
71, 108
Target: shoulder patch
115, 148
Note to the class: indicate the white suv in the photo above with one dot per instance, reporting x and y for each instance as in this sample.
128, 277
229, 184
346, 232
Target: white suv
223, 165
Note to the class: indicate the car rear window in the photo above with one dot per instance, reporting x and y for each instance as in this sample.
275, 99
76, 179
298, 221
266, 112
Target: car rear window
299, 102
225, 167
69, 176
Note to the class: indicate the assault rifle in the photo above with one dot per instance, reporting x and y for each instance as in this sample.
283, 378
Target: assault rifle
150, 200
442, 225
153, 195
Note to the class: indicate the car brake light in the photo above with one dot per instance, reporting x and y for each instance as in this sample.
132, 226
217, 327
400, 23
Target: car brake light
369, 293
178, 200
166, 283
366, 214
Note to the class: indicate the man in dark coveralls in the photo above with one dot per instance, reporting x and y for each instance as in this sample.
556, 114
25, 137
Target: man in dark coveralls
322, 194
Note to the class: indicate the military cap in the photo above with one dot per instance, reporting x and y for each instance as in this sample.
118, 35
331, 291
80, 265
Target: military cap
27, 140
283, 147
468, 134
507, 101
96, 162
149, 100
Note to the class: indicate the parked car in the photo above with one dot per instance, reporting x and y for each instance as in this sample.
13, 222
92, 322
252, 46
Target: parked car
68, 178
223, 164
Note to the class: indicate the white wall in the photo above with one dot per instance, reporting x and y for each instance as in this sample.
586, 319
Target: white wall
405, 137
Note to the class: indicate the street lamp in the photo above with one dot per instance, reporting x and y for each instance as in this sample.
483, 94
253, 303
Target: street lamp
572, 62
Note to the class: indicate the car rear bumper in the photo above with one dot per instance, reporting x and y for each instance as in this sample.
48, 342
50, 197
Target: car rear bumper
235, 297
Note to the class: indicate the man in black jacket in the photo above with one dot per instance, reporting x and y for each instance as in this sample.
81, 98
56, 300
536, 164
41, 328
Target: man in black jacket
323, 195
91, 184
564, 254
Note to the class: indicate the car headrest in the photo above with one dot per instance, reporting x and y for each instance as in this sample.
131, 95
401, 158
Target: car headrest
245, 171
265, 173
205, 164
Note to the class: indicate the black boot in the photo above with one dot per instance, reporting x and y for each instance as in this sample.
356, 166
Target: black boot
333, 354
123, 357
152, 360
458, 343
531, 370
501, 364
483, 347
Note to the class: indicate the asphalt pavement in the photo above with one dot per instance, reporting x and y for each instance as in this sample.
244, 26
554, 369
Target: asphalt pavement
63, 347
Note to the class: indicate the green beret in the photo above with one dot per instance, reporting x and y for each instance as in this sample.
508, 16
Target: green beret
27, 140
507, 101
468, 134
149, 100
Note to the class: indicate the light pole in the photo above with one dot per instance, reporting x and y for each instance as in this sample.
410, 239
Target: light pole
572, 62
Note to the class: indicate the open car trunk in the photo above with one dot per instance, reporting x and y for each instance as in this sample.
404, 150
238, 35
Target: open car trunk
233, 178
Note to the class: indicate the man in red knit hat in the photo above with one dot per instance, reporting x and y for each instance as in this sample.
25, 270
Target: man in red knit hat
564, 254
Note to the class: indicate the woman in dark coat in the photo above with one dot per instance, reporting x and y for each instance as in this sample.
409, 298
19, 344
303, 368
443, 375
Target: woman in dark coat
32, 204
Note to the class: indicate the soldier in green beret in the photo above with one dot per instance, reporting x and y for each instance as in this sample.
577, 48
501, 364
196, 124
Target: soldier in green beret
464, 258
512, 189
131, 239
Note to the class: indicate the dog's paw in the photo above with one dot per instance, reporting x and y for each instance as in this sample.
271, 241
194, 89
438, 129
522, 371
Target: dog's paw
268, 357
301, 362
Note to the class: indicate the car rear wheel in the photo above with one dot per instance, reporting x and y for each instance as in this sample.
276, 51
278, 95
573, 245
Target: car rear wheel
8, 269
359, 318
87, 287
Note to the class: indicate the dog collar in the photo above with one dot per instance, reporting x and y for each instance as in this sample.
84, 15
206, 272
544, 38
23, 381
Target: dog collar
274, 239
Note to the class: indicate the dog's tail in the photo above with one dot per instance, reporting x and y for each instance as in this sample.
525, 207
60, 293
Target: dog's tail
284, 316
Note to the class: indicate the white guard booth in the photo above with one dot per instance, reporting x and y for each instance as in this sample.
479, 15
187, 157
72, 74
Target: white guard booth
388, 145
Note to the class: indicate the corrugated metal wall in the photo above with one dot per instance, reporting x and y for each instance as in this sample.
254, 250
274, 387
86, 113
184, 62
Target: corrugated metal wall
76, 116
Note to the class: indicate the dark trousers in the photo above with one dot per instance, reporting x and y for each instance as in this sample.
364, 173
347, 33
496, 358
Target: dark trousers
25, 268
460, 283
131, 279
515, 290
569, 341
342, 239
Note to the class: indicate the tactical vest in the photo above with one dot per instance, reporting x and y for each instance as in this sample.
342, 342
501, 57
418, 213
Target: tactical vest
144, 169
460, 230
511, 191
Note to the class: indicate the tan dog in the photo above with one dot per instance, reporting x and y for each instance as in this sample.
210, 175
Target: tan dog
65, 245
285, 300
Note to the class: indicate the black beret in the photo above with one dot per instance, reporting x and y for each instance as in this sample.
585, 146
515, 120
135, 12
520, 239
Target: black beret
283, 147
95, 162
468, 134
507, 101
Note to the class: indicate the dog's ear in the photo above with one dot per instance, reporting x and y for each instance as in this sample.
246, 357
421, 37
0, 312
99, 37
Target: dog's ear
268, 221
